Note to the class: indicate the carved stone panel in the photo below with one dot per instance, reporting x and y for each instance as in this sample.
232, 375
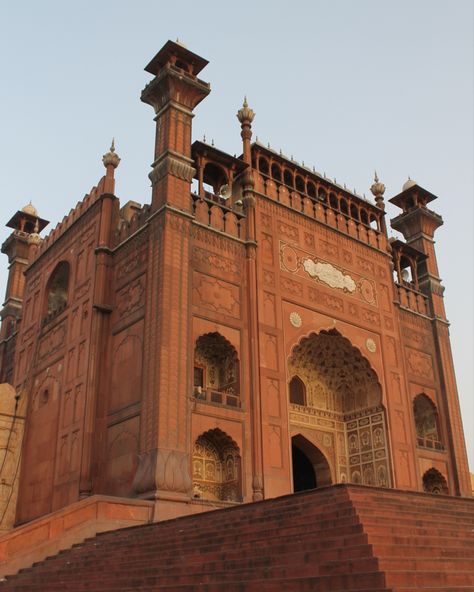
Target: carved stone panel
419, 363
216, 295
296, 261
208, 262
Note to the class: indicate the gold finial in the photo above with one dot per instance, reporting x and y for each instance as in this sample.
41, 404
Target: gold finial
111, 158
378, 189
245, 115
34, 238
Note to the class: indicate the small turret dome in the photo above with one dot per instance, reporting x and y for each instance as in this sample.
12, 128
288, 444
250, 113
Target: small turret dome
30, 209
408, 183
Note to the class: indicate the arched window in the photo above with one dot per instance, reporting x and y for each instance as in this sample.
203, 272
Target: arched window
364, 217
344, 207
426, 422
276, 172
322, 195
57, 289
434, 482
216, 371
374, 223
333, 202
263, 166
214, 178
288, 178
299, 184
297, 391
311, 190
216, 467
354, 212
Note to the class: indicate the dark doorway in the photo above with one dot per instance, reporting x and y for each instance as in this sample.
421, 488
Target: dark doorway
303, 472
310, 466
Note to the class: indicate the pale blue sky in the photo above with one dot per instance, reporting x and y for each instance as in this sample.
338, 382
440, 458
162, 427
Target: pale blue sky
345, 85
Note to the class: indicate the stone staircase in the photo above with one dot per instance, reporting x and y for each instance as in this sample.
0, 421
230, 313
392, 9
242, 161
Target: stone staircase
343, 538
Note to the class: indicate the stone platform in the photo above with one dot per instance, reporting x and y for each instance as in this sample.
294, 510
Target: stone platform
343, 538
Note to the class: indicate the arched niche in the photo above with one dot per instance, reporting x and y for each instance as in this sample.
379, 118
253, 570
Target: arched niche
297, 391
434, 482
343, 407
426, 420
216, 370
57, 289
216, 467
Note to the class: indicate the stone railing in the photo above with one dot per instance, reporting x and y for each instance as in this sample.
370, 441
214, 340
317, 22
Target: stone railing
322, 211
216, 397
210, 211
410, 298
429, 443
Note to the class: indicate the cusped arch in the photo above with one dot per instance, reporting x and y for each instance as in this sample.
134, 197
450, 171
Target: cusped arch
344, 406
216, 467
342, 378
426, 419
435, 482
216, 370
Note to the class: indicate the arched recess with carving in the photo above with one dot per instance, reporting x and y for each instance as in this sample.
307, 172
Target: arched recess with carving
216, 467
343, 407
434, 482
57, 289
216, 370
426, 419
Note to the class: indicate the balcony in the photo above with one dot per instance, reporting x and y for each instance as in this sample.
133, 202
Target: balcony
216, 397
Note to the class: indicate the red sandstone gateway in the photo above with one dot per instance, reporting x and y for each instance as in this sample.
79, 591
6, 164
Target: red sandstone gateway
250, 333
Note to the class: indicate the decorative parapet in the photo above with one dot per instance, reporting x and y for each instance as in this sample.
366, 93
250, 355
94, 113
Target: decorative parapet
413, 300
210, 211
75, 213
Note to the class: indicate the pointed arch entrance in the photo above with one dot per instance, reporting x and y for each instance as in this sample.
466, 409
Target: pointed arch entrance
310, 466
342, 411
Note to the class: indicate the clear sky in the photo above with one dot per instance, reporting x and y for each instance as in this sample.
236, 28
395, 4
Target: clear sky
344, 85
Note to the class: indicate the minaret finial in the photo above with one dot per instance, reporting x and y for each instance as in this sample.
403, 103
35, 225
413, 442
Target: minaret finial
245, 115
378, 189
111, 158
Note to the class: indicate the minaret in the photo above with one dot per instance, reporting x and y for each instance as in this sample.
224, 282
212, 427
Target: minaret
173, 93
418, 224
164, 462
246, 115
26, 224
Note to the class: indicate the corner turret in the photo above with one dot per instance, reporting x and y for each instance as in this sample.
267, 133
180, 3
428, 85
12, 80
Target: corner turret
418, 224
173, 93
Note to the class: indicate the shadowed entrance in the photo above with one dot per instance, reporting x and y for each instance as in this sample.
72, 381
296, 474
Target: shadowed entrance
310, 467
